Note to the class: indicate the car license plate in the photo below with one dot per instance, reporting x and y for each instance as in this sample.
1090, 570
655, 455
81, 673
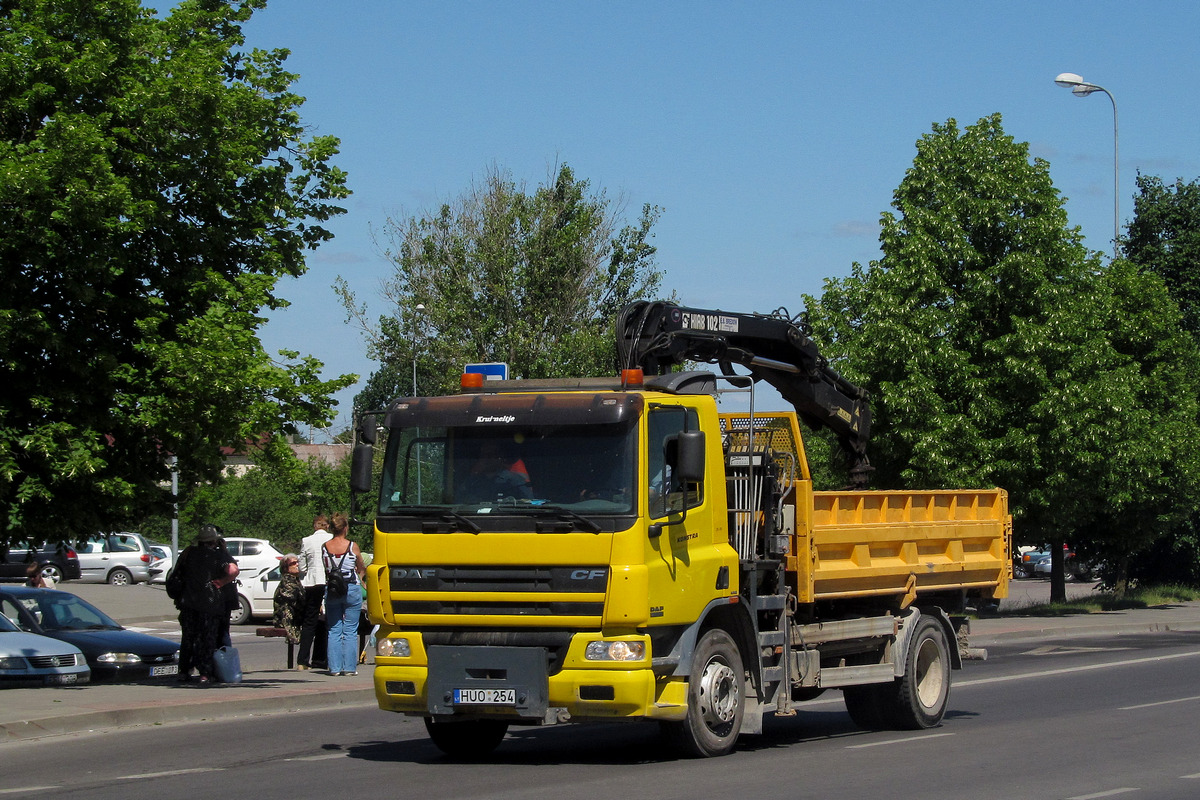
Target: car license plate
68, 678
165, 669
485, 697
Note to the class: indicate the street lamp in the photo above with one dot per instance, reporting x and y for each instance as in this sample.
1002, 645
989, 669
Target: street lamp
419, 309
1081, 88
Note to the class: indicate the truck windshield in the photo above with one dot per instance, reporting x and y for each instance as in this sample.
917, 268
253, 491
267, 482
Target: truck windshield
580, 470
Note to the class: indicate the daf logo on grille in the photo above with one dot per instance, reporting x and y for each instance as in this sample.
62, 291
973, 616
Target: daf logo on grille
414, 572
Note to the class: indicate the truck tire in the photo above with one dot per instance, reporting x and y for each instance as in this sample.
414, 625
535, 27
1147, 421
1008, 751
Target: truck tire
921, 696
468, 739
716, 699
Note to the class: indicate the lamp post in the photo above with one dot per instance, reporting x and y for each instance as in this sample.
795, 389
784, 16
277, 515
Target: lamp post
419, 309
1081, 88
173, 463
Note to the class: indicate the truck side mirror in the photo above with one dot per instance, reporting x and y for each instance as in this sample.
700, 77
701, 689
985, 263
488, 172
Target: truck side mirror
689, 456
683, 452
367, 429
361, 465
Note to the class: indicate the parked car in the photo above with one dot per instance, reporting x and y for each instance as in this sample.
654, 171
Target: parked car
253, 556
27, 659
117, 558
113, 653
161, 564
60, 562
256, 596
1073, 568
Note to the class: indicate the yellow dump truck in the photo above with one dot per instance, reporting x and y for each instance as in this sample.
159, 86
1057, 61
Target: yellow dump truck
617, 549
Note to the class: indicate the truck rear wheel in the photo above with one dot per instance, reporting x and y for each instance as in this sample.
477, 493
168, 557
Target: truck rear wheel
716, 699
924, 691
473, 738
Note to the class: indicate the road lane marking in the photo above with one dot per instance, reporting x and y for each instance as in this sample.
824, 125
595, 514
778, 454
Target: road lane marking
906, 740
168, 773
1061, 650
1070, 670
24, 789
1190, 777
1109, 793
1159, 703
322, 757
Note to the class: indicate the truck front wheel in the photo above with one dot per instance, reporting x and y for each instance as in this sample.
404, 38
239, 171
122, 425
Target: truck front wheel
716, 699
924, 691
473, 738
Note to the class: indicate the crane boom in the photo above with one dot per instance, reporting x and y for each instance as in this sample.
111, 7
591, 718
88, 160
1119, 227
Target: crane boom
658, 335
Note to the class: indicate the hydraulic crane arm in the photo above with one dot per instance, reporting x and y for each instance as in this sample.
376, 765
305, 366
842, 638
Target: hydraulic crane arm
656, 336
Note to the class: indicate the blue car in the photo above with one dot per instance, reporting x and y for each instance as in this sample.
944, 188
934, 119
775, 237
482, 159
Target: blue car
27, 659
113, 653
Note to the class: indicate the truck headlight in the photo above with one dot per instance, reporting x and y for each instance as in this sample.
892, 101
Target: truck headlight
615, 651
393, 648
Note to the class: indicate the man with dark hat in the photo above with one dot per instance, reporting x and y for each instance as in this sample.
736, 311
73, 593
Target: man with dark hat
204, 569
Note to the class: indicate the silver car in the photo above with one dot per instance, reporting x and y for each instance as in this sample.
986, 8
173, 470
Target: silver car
117, 558
27, 659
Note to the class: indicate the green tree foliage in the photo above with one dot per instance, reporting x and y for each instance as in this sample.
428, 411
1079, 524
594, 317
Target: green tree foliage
155, 184
276, 499
1164, 238
998, 351
1148, 480
533, 279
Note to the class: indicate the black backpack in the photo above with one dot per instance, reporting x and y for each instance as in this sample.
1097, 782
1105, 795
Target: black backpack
335, 581
175, 581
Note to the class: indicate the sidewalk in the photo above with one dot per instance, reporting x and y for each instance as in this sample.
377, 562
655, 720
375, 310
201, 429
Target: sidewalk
268, 688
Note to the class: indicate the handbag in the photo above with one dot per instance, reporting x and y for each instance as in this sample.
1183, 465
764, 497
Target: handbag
228, 665
335, 581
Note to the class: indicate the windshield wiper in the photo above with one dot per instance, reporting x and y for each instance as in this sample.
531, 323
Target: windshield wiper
567, 515
443, 514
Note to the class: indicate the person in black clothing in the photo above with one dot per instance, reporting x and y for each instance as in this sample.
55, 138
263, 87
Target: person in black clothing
204, 569
229, 595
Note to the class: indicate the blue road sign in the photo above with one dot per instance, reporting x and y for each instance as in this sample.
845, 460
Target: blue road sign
496, 371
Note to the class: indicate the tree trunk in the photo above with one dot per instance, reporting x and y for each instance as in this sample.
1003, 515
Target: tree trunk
1121, 582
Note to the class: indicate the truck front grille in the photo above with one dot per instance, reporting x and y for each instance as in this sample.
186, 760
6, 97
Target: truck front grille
560, 591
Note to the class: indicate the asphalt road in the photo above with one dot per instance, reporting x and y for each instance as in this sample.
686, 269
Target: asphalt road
1050, 718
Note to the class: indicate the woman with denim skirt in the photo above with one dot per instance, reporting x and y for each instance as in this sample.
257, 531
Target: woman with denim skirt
341, 611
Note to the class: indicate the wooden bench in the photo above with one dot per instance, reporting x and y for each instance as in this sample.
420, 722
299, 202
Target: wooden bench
273, 633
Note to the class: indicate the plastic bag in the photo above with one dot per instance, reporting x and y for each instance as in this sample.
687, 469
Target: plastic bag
228, 665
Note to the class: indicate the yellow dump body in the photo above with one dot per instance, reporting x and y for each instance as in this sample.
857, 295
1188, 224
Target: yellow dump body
900, 543
850, 544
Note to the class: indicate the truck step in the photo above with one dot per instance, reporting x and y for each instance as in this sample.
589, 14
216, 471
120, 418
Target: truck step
769, 602
771, 638
772, 674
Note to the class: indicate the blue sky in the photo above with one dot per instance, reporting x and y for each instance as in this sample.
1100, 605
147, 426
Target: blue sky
772, 134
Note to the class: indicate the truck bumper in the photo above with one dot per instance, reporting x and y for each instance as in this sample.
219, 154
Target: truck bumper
572, 695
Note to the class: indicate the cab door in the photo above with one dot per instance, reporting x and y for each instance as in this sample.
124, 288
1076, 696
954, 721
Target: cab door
685, 568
